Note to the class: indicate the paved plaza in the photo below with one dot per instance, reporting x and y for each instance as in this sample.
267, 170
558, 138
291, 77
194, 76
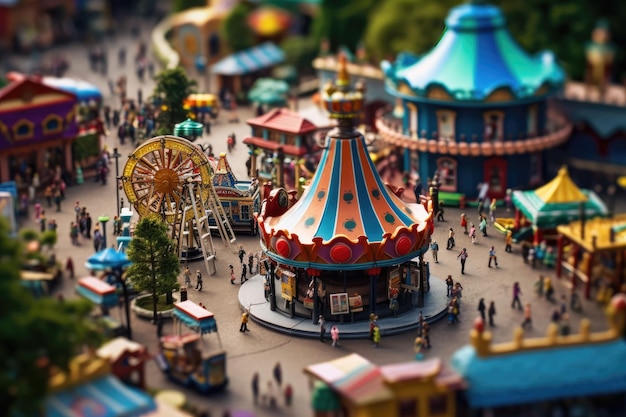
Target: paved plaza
263, 346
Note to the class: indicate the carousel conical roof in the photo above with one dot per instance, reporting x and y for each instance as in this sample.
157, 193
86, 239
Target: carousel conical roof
223, 175
347, 218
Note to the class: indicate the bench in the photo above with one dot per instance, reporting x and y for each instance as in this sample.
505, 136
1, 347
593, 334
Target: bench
452, 199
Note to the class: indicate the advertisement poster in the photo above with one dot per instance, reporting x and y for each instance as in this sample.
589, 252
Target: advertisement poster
339, 303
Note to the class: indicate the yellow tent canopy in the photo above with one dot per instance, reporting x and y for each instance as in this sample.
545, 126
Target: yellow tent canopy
561, 189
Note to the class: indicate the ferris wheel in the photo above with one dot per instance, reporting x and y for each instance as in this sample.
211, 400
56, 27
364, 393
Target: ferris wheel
169, 177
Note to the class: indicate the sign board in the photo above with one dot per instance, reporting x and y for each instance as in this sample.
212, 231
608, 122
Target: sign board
287, 284
339, 303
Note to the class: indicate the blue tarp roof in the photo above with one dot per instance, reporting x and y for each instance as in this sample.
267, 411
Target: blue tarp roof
250, 60
107, 300
542, 375
83, 90
103, 397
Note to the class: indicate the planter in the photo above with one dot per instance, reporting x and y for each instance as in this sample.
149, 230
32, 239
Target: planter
147, 313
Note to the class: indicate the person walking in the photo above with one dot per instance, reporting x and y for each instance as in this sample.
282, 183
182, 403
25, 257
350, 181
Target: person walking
450, 243
376, 336
440, 212
57, 198
278, 374
187, 277
250, 262
242, 253
548, 289
232, 275
492, 256
482, 226
472, 233
434, 247
464, 223
482, 308
255, 387
539, 286
97, 238
69, 267
528, 320
48, 194
198, 280
425, 335
508, 240
159, 324
288, 393
463, 257
334, 335
244, 268
492, 210
516, 293
88, 223
322, 323
491, 312
449, 284
244, 322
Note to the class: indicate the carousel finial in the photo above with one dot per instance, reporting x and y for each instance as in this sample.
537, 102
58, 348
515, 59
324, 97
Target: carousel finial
343, 78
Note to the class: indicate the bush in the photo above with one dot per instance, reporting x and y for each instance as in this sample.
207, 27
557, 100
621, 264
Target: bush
300, 52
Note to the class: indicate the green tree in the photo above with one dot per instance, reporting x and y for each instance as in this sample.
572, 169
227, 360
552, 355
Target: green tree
172, 87
300, 52
343, 22
155, 265
405, 26
35, 335
235, 30
180, 5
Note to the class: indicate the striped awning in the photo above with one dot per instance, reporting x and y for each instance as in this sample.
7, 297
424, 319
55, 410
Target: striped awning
195, 317
250, 60
97, 291
104, 397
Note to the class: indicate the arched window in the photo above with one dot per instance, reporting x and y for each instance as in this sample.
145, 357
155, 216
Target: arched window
446, 121
52, 124
23, 129
493, 125
447, 169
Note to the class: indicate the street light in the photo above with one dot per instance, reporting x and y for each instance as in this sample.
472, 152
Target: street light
104, 219
117, 155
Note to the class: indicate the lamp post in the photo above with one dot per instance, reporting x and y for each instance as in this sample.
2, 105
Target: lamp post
104, 219
117, 273
117, 155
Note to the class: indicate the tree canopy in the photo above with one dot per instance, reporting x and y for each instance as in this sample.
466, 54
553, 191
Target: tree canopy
172, 87
35, 334
235, 30
393, 26
155, 265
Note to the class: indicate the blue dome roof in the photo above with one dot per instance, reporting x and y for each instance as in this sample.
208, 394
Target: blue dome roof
475, 56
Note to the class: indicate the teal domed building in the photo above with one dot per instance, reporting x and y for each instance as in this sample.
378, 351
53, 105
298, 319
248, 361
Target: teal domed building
476, 108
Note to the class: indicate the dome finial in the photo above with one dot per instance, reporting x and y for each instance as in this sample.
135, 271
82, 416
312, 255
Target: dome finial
343, 78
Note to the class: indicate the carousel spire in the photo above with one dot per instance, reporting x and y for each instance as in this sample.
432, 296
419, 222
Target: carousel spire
342, 102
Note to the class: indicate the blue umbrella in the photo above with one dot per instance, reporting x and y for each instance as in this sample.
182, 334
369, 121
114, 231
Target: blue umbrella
108, 258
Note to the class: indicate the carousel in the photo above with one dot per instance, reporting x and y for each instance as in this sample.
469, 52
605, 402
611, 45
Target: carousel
349, 245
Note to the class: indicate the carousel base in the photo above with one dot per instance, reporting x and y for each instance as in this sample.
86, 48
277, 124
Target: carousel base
251, 296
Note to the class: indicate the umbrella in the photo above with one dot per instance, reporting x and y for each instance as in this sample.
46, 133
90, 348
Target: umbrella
269, 21
269, 91
108, 258
188, 129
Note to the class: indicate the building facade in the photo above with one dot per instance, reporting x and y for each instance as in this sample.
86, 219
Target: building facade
475, 109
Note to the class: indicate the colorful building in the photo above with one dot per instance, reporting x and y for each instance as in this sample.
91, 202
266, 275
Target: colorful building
347, 244
558, 202
37, 128
240, 199
362, 389
592, 252
573, 373
278, 135
475, 109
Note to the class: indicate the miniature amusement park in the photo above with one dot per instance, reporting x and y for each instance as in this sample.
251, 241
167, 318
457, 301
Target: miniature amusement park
408, 208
